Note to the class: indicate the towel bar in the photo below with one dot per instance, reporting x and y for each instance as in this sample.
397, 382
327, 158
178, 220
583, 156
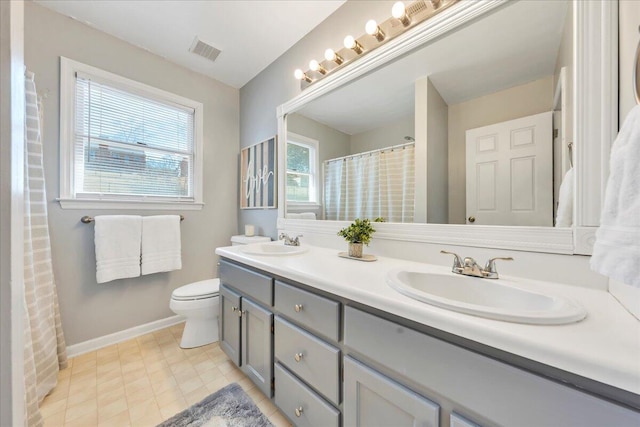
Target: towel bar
89, 219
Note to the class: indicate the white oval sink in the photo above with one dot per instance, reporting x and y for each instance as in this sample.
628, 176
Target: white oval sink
493, 299
273, 248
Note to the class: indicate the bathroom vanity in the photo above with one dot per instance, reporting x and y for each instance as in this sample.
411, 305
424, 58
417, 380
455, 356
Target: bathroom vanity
332, 344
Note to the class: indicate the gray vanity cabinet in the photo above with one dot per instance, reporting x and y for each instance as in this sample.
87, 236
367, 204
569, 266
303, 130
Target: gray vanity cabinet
229, 324
333, 364
372, 399
492, 392
257, 345
246, 324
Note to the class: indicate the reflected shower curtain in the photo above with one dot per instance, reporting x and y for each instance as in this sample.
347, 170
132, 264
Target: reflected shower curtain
376, 184
45, 350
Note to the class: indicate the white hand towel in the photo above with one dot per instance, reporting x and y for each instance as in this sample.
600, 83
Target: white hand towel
564, 216
161, 246
117, 240
616, 252
303, 215
307, 215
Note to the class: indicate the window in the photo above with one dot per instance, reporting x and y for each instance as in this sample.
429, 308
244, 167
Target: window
127, 144
302, 167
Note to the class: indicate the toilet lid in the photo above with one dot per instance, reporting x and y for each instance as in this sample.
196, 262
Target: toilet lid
197, 290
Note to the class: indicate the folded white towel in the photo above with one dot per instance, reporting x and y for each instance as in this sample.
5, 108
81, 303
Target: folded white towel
564, 216
303, 215
117, 240
616, 252
161, 246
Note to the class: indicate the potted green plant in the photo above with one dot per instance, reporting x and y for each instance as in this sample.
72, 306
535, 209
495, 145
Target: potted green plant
357, 234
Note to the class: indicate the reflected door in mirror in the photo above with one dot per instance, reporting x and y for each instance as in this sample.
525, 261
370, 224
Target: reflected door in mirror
509, 172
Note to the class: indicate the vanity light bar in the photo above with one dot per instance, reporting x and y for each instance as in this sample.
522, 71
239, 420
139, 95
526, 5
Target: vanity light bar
402, 18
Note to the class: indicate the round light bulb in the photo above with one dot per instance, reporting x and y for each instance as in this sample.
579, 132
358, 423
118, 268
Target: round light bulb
371, 27
349, 42
398, 10
329, 55
299, 74
314, 65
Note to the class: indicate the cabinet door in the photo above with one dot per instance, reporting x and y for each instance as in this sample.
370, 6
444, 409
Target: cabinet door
257, 345
371, 399
229, 324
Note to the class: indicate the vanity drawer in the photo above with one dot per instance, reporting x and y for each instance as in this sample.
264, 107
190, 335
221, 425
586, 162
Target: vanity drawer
317, 313
318, 362
258, 286
300, 404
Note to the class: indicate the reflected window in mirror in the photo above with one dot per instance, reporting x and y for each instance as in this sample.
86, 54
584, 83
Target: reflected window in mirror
302, 170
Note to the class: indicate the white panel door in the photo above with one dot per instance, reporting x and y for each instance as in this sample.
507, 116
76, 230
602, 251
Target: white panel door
510, 172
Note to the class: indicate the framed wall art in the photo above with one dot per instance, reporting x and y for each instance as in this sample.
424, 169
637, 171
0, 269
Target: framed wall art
258, 175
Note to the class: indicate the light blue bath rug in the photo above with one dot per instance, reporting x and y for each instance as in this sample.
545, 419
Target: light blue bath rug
227, 407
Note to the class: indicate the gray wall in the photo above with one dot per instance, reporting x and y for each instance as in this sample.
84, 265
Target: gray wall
385, 136
90, 310
275, 85
437, 151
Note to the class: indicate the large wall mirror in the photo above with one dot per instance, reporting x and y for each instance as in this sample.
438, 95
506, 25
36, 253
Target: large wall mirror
474, 127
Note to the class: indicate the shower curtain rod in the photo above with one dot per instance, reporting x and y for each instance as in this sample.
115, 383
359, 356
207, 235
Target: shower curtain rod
379, 150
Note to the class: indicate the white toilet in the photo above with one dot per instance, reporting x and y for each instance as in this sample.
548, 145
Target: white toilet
199, 302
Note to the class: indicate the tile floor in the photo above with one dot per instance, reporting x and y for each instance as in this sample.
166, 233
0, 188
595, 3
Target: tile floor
142, 382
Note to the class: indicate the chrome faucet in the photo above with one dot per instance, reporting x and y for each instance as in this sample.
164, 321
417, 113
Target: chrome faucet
469, 267
288, 241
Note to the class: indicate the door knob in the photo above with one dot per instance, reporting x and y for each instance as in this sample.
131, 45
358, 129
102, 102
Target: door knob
298, 357
299, 411
297, 308
472, 219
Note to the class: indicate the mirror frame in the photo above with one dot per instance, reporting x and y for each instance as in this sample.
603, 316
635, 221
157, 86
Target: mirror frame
595, 79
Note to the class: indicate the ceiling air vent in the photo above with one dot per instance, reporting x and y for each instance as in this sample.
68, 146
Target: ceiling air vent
206, 51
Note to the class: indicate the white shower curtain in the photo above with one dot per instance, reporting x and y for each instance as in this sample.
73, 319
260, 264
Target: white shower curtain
378, 183
45, 350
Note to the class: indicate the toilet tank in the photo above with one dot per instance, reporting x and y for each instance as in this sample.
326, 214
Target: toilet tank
245, 240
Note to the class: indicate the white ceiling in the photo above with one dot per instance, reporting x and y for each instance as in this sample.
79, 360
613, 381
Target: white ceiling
514, 45
250, 34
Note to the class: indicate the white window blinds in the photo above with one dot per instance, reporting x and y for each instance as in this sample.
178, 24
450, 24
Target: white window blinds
376, 184
130, 144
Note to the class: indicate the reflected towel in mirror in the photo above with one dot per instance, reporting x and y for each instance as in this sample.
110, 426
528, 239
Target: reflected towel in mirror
302, 215
564, 216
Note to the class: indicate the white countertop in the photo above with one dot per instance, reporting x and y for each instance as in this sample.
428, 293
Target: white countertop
604, 347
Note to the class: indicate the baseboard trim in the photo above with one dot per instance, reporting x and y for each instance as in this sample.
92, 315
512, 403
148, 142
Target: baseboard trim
127, 334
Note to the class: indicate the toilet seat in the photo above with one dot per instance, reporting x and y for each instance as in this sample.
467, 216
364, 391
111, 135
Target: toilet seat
197, 290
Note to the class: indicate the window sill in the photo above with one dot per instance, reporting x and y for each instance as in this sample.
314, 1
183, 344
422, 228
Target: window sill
129, 204
303, 205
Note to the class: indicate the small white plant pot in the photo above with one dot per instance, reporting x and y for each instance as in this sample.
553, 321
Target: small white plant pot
355, 250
